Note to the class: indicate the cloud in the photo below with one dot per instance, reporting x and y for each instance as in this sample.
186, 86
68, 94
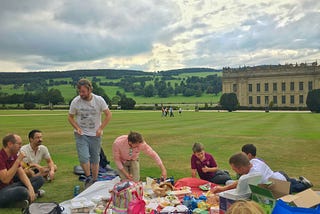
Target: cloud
155, 35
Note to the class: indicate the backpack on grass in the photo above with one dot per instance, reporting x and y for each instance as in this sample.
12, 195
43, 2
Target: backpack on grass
44, 208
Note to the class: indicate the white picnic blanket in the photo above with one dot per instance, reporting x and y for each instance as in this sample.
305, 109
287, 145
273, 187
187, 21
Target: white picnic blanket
90, 196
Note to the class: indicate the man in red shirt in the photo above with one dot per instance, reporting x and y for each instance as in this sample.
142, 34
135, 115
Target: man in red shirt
15, 186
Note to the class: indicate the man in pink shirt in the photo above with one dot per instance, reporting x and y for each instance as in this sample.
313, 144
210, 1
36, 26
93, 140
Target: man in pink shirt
126, 150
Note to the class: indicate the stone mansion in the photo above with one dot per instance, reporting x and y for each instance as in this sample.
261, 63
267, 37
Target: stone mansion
279, 85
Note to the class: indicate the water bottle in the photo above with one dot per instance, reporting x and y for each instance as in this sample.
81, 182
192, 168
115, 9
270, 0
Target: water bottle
76, 190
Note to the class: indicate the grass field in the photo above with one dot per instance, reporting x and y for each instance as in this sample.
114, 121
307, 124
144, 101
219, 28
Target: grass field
287, 141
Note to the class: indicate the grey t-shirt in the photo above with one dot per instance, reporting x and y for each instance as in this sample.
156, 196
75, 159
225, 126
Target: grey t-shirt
88, 113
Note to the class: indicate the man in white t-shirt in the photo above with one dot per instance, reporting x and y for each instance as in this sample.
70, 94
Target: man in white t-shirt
85, 117
241, 164
35, 152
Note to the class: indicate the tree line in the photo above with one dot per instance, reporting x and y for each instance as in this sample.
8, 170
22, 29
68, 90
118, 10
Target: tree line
35, 85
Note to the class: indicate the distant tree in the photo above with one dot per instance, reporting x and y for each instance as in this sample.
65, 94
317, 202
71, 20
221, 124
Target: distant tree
149, 91
188, 92
99, 91
229, 101
29, 105
127, 103
115, 100
313, 100
55, 96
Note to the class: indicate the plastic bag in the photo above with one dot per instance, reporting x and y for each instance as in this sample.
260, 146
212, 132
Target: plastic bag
137, 205
283, 208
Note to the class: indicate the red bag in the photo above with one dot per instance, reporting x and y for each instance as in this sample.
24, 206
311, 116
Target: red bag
137, 205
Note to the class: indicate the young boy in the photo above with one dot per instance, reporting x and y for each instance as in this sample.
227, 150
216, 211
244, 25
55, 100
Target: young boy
204, 164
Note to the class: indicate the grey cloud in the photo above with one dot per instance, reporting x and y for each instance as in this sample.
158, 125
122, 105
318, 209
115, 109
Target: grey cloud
83, 31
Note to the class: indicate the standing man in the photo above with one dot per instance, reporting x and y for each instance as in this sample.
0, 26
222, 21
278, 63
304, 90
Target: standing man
15, 186
85, 117
35, 152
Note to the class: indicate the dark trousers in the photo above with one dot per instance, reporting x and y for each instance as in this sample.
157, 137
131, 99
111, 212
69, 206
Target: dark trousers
17, 191
295, 185
220, 177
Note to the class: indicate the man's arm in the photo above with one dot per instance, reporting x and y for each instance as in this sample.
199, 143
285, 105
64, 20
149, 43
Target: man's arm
74, 123
106, 120
7, 175
224, 188
25, 180
52, 168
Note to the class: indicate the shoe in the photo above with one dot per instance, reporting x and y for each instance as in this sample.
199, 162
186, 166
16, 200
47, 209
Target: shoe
20, 204
82, 178
24, 207
306, 182
40, 193
89, 181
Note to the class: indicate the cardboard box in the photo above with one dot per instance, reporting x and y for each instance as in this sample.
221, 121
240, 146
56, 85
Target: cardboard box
307, 199
241, 192
224, 203
268, 194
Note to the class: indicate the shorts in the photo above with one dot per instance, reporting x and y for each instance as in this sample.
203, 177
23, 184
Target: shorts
88, 148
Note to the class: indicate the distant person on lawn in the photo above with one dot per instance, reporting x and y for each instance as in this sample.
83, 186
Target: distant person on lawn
126, 150
85, 117
241, 164
36, 152
205, 165
16, 190
297, 185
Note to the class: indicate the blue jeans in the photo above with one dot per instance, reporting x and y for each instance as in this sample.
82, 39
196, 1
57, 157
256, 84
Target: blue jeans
17, 191
296, 186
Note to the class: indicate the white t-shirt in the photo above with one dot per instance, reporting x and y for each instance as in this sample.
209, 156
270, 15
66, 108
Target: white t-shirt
32, 157
88, 113
262, 168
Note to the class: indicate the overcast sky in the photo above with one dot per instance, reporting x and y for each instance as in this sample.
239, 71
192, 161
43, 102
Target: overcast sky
153, 35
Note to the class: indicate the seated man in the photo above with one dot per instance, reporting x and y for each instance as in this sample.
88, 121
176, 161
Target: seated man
34, 154
297, 185
204, 164
241, 164
16, 190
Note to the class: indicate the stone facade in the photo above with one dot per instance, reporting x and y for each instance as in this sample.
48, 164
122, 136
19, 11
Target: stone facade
279, 85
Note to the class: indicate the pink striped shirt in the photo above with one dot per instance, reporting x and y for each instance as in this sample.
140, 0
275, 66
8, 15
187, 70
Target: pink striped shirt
121, 151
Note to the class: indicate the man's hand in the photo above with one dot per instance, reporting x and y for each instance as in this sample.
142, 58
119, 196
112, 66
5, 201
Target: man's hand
79, 131
217, 189
99, 132
21, 156
51, 174
32, 195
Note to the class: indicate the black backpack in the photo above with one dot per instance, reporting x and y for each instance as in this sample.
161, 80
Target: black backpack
103, 159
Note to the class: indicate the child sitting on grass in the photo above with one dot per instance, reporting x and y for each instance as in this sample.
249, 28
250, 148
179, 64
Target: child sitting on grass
204, 164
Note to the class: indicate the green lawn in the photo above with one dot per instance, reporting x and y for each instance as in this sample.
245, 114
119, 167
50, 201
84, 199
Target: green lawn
286, 141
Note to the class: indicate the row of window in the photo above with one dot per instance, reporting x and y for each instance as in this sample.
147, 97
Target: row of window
275, 100
275, 86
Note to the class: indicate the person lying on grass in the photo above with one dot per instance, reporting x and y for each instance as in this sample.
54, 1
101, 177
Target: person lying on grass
241, 164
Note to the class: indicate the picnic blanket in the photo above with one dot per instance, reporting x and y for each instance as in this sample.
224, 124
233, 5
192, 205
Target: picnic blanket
97, 190
193, 183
